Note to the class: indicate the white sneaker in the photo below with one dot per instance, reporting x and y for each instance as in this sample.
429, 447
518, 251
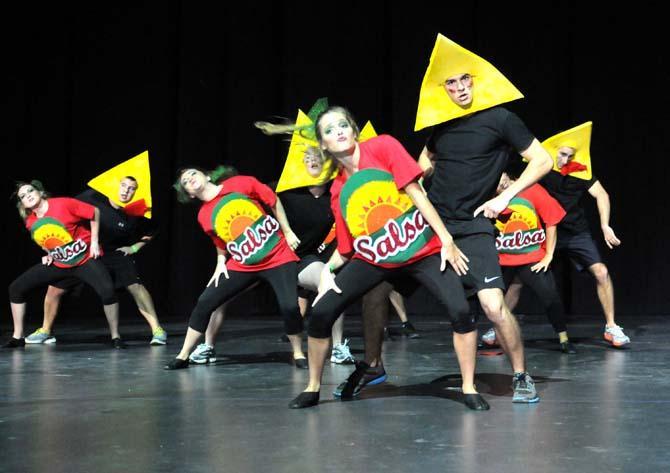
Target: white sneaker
341, 354
489, 338
202, 354
614, 335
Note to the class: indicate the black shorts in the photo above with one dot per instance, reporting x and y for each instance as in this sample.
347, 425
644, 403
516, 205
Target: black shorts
121, 268
484, 270
580, 248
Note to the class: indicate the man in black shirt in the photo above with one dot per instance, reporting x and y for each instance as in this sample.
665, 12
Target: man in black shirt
575, 239
466, 157
121, 236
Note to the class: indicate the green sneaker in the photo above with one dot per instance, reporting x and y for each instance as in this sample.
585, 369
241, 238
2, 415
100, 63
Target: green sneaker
159, 337
40, 336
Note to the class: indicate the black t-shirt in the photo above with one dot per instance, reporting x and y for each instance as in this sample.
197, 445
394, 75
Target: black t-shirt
117, 229
568, 191
310, 218
470, 155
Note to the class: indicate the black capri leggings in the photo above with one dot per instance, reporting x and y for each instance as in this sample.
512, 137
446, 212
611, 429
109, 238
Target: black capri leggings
544, 285
284, 282
358, 277
93, 273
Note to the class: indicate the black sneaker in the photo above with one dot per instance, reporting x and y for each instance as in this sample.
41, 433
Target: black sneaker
118, 343
363, 375
176, 364
15, 343
408, 330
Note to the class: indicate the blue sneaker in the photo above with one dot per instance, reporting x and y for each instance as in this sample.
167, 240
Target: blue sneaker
363, 375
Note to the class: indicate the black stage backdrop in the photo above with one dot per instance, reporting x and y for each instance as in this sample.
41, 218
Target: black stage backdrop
93, 86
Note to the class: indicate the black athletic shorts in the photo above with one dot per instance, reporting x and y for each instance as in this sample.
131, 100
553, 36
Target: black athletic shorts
580, 248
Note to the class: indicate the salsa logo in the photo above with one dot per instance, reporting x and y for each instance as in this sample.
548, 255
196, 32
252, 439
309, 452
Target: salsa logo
521, 232
386, 226
52, 235
249, 233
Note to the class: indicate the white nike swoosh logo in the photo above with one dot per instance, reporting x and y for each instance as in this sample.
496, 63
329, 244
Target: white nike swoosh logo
487, 280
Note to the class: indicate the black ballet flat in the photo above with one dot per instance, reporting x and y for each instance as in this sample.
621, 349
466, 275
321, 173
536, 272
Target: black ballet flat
304, 399
15, 343
176, 364
301, 363
476, 402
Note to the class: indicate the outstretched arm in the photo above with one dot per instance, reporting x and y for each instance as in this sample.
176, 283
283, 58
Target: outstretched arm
539, 164
603, 202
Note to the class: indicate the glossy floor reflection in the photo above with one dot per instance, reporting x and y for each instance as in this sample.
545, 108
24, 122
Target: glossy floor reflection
79, 406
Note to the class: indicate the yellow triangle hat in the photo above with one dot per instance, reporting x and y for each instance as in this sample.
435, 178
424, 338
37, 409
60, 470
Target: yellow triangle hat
294, 174
578, 138
448, 59
367, 132
107, 184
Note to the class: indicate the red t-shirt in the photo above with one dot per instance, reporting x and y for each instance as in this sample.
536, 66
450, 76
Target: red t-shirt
522, 239
236, 222
377, 223
64, 231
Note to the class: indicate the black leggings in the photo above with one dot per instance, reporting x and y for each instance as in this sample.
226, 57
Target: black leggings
358, 277
544, 285
93, 273
284, 282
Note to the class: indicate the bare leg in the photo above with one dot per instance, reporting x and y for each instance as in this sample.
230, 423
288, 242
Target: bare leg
513, 294
51, 305
375, 309
506, 326
112, 314
605, 290
318, 350
18, 314
190, 341
215, 323
145, 304
296, 344
399, 305
465, 346
338, 330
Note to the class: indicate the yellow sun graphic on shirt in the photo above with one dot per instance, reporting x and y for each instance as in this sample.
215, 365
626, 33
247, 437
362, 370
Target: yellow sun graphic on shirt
372, 205
49, 233
522, 219
235, 216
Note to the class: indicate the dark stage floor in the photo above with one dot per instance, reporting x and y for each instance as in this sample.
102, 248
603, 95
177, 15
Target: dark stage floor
79, 406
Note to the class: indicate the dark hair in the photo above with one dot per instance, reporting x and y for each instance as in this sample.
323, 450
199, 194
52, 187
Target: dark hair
216, 175
515, 166
37, 185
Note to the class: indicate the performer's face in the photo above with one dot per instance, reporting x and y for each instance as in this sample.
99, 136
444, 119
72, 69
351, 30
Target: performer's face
29, 196
564, 155
313, 162
193, 181
504, 183
337, 134
127, 189
459, 89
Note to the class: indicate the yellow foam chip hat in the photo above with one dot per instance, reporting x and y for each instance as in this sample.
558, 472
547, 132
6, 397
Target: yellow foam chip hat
578, 138
294, 174
108, 182
367, 132
490, 87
